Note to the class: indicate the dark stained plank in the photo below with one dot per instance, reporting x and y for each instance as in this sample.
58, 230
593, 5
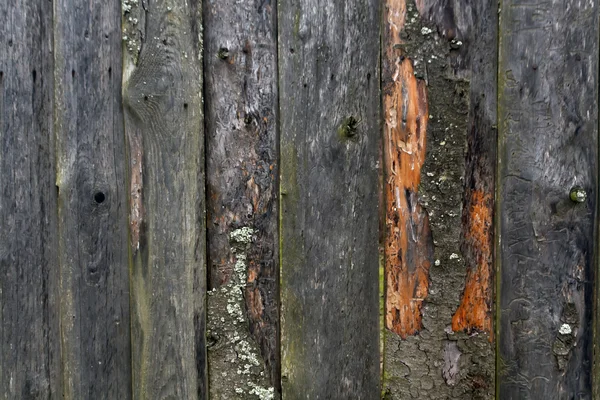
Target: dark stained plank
241, 104
439, 99
330, 129
164, 127
548, 129
29, 325
92, 211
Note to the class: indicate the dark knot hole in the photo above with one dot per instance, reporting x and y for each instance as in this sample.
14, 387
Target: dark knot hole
99, 197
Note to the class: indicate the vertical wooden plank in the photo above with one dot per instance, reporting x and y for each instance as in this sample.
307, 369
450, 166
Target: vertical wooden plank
439, 97
547, 111
164, 126
29, 337
329, 119
240, 105
92, 235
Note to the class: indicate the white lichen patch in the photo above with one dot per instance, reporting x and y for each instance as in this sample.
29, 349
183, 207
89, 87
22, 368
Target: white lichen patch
242, 235
262, 393
131, 32
425, 31
235, 350
565, 329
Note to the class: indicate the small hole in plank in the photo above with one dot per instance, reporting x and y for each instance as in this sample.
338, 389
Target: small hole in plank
99, 197
369, 76
86, 34
73, 73
10, 43
145, 98
106, 36
109, 72
185, 105
34, 75
292, 51
1, 75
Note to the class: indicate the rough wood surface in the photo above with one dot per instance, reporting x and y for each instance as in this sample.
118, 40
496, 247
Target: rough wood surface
547, 112
164, 126
330, 129
92, 211
241, 106
29, 336
449, 46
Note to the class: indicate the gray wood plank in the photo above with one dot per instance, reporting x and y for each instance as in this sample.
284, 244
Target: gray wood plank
164, 127
330, 136
241, 106
29, 336
94, 283
548, 132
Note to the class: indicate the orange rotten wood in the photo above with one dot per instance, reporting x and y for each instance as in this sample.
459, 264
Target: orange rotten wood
475, 310
408, 243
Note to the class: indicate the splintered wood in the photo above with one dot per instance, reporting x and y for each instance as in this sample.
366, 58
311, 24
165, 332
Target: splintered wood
408, 244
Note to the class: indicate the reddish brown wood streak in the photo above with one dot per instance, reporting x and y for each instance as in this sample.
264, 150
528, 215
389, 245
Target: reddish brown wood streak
408, 244
475, 310
136, 208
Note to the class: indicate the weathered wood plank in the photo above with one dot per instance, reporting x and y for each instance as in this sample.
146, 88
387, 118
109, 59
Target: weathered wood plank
29, 326
94, 284
164, 126
439, 98
329, 119
241, 106
548, 132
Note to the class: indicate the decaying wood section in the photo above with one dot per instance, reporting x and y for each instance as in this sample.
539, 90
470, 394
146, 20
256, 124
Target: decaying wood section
164, 127
29, 324
548, 130
408, 243
92, 211
241, 149
446, 50
330, 135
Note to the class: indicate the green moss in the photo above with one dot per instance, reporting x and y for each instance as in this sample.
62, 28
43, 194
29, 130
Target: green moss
297, 23
348, 128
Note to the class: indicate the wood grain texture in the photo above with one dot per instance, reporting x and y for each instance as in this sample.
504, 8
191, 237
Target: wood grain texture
92, 212
548, 129
450, 46
241, 107
29, 325
330, 129
164, 126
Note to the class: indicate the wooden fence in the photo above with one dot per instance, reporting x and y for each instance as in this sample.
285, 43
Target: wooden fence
341, 199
